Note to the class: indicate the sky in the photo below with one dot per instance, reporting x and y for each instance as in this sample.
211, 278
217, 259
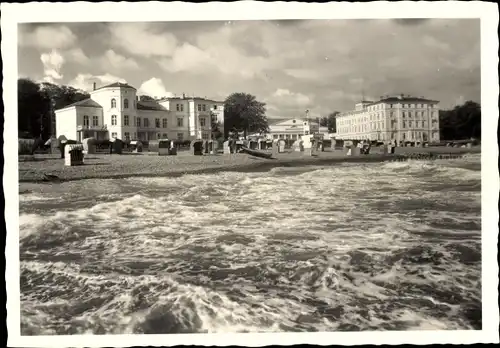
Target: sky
291, 65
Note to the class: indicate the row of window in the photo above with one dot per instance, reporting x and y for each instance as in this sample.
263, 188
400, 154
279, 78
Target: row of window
180, 136
378, 116
158, 124
404, 106
201, 107
125, 103
381, 125
86, 121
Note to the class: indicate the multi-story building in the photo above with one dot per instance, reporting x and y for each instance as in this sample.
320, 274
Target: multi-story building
401, 118
292, 129
195, 113
115, 111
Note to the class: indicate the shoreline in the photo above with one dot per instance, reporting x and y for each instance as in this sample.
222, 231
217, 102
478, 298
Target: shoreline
120, 167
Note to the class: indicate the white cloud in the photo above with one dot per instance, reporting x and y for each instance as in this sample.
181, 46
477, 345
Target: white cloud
140, 39
114, 61
288, 98
77, 55
47, 37
52, 64
85, 81
154, 87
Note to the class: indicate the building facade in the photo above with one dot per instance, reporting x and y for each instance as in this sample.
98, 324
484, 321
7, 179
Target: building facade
401, 118
292, 129
197, 114
115, 111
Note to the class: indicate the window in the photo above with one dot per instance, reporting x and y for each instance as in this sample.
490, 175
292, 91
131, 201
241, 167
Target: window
125, 120
180, 122
423, 124
114, 135
113, 120
113, 103
215, 107
164, 135
404, 124
135, 104
177, 107
204, 107
199, 107
95, 120
275, 136
138, 121
158, 136
146, 122
157, 122
135, 121
125, 103
409, 114
410, 124
204, 136
86, 121
127, 136
180, 136
135, 135
202, 121
165, 123
180, 107
404, 114
416, 124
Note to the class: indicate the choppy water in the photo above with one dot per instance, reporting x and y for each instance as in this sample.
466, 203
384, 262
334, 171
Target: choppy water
388, 246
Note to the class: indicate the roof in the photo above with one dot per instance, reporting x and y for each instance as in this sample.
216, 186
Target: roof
190, 98
150, 105
89, 103
407, 99
117, 85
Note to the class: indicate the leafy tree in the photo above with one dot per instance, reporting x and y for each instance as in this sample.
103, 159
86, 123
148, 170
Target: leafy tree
61, 96
461, 122
244, 113
146, 98
329, 121
34, 108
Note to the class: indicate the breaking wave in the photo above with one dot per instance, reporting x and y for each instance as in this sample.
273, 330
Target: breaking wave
391, 246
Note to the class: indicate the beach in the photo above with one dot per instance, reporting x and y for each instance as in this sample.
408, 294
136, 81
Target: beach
37, 168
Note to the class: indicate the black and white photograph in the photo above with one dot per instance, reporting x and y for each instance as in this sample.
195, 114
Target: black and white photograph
250, 168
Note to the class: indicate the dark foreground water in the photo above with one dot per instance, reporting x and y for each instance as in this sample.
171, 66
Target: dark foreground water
390, 246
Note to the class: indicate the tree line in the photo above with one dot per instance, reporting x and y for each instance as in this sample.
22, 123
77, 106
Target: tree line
243, 113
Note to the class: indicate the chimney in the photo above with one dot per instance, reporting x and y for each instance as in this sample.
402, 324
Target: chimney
95, 86
183, 95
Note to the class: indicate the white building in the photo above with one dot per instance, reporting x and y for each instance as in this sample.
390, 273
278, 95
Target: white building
292, 129
400, 118
115, 111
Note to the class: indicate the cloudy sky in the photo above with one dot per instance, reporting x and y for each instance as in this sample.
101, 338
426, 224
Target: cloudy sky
320, 65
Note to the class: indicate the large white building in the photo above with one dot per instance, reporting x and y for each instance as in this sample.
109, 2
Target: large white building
292, 129
400, 118
114, 111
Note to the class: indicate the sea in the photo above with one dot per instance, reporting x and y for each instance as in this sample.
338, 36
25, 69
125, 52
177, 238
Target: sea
349, 247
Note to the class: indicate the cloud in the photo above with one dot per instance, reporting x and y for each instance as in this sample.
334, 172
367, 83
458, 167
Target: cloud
142, 40
77, 55
154, 87
286, 97
85, 81
48, 37
114, 61
52, 64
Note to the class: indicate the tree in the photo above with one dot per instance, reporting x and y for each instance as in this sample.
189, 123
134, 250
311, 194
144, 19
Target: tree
34, 107
461, 122
242, 112
329, 121
146, 98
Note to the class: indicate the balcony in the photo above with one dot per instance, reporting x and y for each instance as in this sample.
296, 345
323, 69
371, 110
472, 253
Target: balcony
82, 127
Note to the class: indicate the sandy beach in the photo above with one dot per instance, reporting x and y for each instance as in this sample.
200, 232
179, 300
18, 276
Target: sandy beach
149, 164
